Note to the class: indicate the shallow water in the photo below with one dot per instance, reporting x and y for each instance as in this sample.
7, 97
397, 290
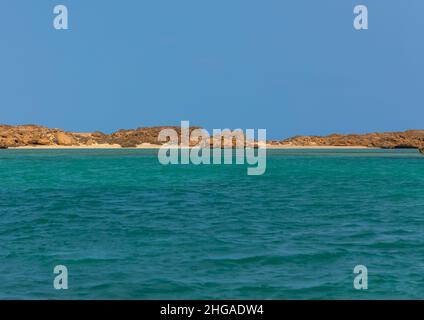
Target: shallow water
127, 227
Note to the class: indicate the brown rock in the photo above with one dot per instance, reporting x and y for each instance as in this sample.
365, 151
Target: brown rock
64, 139
387, 140
27, 135
98, 134
42, 141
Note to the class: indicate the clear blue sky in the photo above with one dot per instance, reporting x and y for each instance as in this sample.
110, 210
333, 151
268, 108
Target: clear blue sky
292, 67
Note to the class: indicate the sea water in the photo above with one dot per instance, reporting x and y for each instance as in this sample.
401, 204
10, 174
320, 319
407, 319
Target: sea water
127, 227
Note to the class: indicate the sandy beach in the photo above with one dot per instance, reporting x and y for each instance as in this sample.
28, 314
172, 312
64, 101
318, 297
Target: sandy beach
155, 146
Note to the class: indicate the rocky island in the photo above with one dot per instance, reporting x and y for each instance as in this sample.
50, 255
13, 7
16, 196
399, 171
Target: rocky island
413, 139
39, 136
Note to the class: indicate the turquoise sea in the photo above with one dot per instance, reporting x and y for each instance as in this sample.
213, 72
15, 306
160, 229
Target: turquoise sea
127, 227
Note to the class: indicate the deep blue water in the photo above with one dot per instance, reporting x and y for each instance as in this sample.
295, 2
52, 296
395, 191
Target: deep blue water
127, 227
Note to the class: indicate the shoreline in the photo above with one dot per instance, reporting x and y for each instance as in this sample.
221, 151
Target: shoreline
39, 137
154, 146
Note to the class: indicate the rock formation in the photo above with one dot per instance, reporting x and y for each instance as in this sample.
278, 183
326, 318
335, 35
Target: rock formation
33, 135
386, 140
15, 136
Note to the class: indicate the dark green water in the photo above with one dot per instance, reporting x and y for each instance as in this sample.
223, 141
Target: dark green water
128, 227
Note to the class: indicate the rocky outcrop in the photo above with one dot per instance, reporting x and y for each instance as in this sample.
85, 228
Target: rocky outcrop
234, 139
385, 140
32, 135
16, 136
132, 138
65, 139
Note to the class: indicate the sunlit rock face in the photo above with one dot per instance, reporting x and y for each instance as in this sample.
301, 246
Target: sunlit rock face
33, 135
386, 140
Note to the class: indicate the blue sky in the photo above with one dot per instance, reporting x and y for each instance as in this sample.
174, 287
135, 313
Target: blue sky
291, 67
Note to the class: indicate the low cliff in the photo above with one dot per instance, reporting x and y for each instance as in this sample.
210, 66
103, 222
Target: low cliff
33, 135
385, 140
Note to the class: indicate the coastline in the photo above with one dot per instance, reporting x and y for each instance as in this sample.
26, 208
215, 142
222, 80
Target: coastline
39, 137
155, 146
317, 147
